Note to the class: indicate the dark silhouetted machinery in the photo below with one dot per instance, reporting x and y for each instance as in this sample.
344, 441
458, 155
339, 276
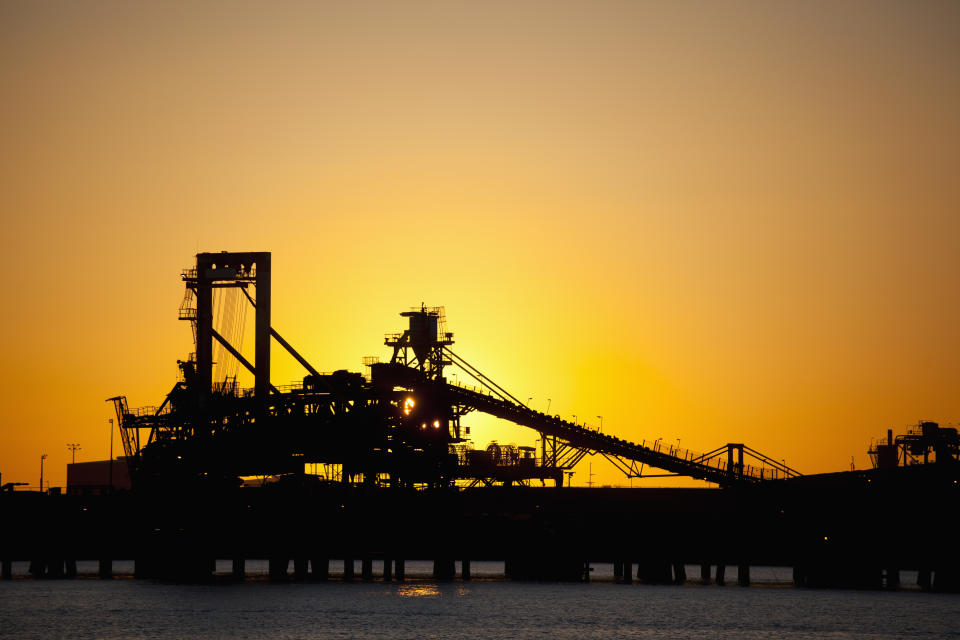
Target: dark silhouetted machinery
399, 426
925, 443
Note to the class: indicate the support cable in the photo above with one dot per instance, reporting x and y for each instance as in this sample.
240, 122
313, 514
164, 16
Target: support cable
483, 379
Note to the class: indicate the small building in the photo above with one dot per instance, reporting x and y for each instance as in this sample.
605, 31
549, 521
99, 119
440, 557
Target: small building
95, 477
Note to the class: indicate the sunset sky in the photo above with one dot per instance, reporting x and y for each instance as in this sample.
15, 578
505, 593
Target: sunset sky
712, 221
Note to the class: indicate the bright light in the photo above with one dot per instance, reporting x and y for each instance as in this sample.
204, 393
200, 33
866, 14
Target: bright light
423, 426
436, 424
408, 405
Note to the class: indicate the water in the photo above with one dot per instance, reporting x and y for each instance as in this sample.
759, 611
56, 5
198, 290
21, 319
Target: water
486, 607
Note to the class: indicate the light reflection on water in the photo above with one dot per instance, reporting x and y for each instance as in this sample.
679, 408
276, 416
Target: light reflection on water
483, 608
418, 590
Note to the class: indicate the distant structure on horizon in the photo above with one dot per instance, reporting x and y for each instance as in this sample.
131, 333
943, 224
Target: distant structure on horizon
925, 443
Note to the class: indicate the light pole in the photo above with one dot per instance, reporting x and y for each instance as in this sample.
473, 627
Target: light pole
74, 447
548, 405
574, 418
111, 454
42, 458
528, 401
655, 442
601, 423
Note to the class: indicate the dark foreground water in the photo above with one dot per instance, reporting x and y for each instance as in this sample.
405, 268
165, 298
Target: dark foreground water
483, 608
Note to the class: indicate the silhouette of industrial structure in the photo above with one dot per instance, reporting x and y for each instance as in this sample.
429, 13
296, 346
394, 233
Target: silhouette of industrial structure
925, 443
400, 427
400, 479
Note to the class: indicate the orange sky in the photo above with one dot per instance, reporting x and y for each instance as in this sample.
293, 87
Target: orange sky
709, 221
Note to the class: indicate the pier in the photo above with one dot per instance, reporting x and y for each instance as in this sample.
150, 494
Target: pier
833, 531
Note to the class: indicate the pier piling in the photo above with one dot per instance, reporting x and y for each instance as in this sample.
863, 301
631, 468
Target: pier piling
320, 568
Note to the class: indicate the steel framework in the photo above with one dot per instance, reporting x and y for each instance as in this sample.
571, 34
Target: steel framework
402, 426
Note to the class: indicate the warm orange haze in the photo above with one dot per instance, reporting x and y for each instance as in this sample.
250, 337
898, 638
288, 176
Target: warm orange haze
712, 222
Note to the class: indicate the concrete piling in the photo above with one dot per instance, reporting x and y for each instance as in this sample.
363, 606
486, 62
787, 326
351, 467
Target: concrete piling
655, 571
278, 567
320, 568
444, 569
743, 574
366, 568
679, 573
300, 566
798, 580
387, 569
891, 578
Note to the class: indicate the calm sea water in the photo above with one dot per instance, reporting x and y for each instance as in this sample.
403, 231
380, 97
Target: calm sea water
483, 608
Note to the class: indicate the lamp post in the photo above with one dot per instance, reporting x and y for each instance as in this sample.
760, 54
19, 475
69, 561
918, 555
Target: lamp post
528, 400
74, 447
548, 405
601, 423
111, 454
42, 458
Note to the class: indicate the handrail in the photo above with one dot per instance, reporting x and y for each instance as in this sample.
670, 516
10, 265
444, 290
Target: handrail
589, 439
